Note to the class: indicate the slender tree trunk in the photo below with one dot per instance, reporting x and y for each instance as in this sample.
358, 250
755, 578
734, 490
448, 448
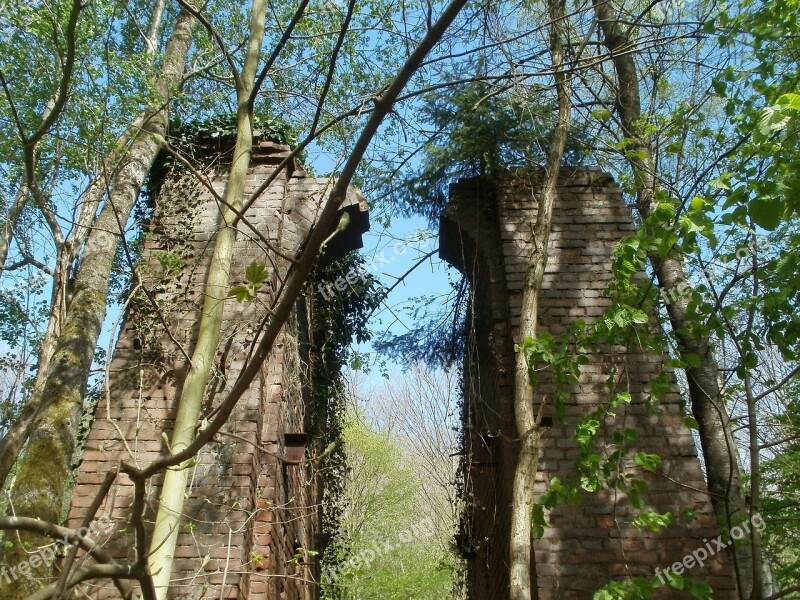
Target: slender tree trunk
173, 492
67, 251
526, 418
720, 455
708, 404
155, 27
18, 432
39, 488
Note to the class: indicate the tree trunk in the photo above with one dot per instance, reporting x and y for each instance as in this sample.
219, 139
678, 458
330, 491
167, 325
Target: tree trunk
11, 444
708, 405
173, 492
67, 252
40, 487
10, 223
525, 416
18, 432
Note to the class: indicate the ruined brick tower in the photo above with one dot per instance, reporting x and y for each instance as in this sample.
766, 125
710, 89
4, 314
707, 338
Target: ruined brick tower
486, 233
247, 513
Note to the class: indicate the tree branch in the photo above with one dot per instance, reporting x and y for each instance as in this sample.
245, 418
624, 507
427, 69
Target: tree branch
300, 270
216, 37
276, 51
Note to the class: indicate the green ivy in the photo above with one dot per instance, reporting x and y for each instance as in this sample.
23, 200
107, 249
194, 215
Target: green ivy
337, 320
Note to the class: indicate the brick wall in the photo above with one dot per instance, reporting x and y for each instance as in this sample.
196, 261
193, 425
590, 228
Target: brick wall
486, 233
247, 512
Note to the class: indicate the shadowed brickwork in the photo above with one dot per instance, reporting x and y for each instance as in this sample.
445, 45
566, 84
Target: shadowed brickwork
247, 512
486, 233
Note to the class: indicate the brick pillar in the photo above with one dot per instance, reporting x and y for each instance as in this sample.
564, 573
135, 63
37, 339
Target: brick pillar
486, 233
247, 512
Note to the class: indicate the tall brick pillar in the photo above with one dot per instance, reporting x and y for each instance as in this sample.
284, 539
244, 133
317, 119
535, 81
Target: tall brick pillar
486, 233
247, 512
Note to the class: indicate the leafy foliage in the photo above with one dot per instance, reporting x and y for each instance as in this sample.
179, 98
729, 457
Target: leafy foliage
637, 588
781, 474
337, 321
436, 337
220, 126
390, 552
256, 276
476, 131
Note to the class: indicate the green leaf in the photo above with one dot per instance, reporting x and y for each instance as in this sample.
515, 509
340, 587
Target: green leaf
242, 293
630, 436
699, 590
692, 360
256, 274
621, 397
653, 521
648, 462
789, 101
538, 522
773, 118
766, 213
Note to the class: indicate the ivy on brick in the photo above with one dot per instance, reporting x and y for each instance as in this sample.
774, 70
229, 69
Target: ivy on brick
337, 320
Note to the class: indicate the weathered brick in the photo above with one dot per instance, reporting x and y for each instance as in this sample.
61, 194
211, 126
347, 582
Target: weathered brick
588, 221
232, 479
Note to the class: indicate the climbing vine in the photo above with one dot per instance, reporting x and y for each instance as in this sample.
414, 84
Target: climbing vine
336, 321
606, 446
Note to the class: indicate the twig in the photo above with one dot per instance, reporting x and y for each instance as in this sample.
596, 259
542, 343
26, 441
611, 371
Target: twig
277, 50
240, 214
331, 447
332, 63
113, 571
784, 593
402, 277
227, 562
216, 37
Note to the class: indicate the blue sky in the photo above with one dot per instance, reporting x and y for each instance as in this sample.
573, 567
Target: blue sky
395, 250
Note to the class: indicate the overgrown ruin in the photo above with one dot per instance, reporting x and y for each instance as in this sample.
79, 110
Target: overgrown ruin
253, 513
253, 525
